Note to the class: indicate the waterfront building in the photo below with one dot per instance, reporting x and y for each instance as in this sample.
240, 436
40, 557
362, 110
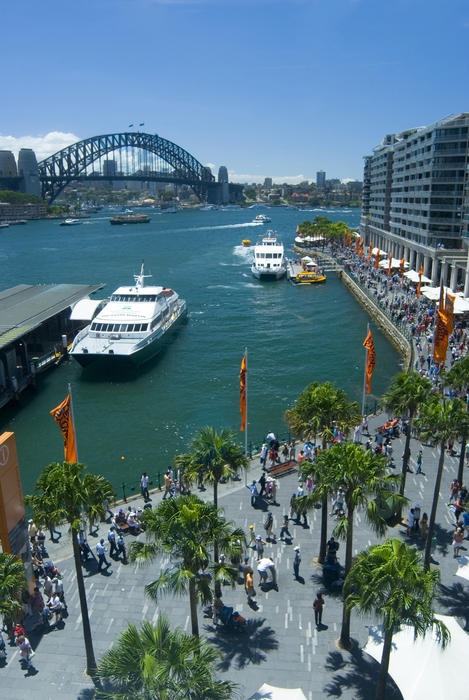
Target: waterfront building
321, 179
415, 199
10, 213
268, 183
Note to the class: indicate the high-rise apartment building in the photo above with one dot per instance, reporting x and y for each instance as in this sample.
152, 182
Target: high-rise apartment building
321, 179
415, 197
268, 183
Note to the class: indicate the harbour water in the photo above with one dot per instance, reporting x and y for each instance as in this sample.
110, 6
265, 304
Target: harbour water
136, 422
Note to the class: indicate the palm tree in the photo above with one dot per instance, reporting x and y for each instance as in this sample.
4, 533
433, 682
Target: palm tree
441, 421
318, 410
363, 478
214, 457
12, 584
186, 528
408, 391
389, 581
155, 662
65, 492
458, 378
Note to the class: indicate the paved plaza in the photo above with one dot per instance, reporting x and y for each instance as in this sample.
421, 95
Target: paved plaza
281, 645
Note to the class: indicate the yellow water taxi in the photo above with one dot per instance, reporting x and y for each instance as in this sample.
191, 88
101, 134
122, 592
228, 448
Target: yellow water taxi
246, 243
306, 277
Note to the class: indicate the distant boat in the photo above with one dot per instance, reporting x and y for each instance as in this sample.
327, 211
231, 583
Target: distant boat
4, 225
261, 219
246, 243
130, 219
70, 222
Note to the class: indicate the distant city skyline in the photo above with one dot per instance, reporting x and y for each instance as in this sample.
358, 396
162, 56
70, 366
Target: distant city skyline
267, 88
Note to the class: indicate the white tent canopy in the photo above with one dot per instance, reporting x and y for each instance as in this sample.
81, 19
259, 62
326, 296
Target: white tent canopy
421, 668
414, 276
396, 263
382, 253
271, 692
461, 304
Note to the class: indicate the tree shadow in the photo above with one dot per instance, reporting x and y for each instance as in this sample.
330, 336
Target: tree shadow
454, 598
244, 647
358, 672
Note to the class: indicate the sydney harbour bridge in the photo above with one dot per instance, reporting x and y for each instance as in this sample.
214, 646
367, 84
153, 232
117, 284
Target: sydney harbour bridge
127, 156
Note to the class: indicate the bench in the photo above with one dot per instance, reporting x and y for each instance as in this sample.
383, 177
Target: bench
283, 468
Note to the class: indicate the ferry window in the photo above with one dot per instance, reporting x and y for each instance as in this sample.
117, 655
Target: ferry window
122, 328
105, 327
144, 326
130, 328
138, 326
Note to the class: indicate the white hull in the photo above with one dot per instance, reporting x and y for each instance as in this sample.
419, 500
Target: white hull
266, 274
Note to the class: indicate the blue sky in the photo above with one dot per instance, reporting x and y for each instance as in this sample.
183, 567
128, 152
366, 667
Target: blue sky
265, 87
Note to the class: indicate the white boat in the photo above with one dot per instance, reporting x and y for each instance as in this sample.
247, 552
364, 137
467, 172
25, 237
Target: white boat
131, 327
269, 262
70, 222
261, 219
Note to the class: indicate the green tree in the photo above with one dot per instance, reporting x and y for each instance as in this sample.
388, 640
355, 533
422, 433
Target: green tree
408, 391
441, 421
214, 457
363, 478
458, 378
157, 663
389, 581
66, 492
186, 529
12, 584
318, 410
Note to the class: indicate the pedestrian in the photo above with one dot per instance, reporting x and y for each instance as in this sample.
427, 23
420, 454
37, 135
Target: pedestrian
59, 590
293, 451
144, 481
52, 532
273, 491
254, 493
262, 484
48, 586
121, 550
25, 649
293, 512
453, 490
252, 535
268, 523
263, 455
284, 529
55, 606
332, 549
416, 517
318, 606
419, 462
410, 522
260, 547
249, 586
111, 538
285, 452
424, 526
458, 537
101, 552
296, 563
167, 485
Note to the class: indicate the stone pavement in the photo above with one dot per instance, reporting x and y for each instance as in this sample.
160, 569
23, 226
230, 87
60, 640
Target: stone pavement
281, 645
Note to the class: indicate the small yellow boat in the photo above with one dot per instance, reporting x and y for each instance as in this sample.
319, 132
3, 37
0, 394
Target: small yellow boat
308, 278
246, 243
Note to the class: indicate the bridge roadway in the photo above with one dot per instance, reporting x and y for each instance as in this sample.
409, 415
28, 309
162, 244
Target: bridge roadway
282, 646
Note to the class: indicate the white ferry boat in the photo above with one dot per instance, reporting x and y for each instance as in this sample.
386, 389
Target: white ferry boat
261, 219
132, 325
269, 262
70, 222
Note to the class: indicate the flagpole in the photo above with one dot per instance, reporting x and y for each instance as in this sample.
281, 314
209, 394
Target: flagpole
246, 426
73, 420
364, 373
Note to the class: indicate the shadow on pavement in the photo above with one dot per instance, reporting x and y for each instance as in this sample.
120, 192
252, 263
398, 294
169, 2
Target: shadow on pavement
359, 674
244, 647
454, 599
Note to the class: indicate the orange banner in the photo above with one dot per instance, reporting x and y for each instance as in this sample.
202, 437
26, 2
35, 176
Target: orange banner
377, 259
440, 342
242, 391
390, 266
369, 253
449, 311
402, 266
370, 360
63, 417
357, 244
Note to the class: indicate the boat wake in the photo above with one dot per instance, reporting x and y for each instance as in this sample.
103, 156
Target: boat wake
243, 252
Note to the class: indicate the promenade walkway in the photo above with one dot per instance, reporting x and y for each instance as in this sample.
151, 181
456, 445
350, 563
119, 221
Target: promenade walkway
282, 645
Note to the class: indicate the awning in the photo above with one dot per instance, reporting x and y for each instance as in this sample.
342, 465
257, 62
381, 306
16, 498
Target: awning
414, 276
396, 263
420, 667
85, 309
382, 253
271, 692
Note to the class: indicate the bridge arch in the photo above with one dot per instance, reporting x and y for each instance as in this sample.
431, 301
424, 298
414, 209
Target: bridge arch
72, 162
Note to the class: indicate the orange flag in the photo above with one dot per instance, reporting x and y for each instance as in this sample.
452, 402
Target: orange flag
390, 265
63, 417
402, 266
377, 259
440, 341
420, 282
449, 311
242, 391
369, 253
370, 360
